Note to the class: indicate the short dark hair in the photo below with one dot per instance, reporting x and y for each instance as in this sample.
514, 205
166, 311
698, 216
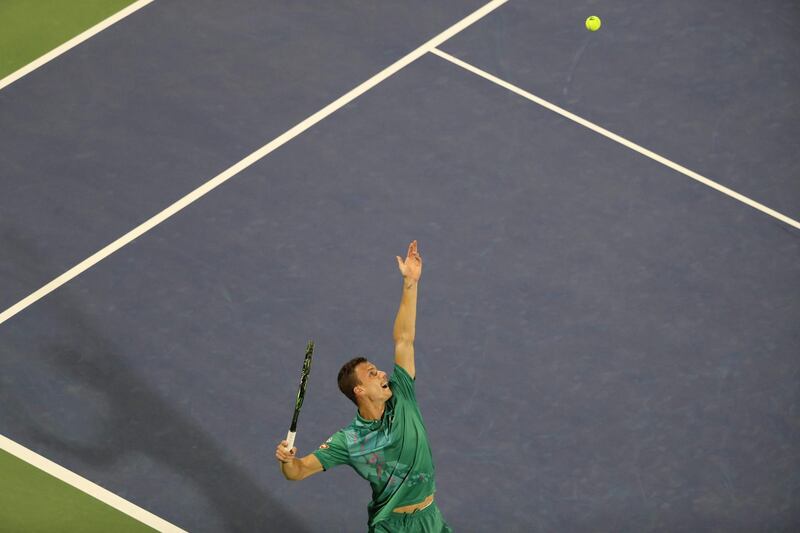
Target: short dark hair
348, 379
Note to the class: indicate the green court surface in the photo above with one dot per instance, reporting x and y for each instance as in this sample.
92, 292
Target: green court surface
35, 502
31, 28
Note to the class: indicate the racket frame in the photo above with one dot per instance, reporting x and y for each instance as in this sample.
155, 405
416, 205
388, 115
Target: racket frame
301, 393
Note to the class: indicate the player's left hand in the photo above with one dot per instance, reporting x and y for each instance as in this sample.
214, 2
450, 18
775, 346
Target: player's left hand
411, 268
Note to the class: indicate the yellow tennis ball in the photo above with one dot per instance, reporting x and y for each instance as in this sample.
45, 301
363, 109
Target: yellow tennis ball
593, 23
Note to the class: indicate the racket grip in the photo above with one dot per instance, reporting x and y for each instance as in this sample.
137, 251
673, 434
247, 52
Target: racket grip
290, 440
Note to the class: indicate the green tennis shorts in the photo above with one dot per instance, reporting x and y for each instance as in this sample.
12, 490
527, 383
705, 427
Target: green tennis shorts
428, 520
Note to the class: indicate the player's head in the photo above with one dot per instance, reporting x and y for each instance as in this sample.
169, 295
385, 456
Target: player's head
360, 379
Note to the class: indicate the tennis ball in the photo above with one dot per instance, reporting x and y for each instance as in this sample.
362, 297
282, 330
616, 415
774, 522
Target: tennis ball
593, 23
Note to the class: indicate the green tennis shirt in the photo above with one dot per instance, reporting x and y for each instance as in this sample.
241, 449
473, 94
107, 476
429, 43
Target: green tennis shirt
391, 453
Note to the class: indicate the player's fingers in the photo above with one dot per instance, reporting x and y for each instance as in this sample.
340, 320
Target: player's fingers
287, 457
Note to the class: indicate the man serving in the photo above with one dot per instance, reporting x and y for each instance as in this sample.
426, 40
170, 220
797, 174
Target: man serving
386, 443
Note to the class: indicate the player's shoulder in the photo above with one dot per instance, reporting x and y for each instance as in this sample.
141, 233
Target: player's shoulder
402, 383
399, 373
339, 439
350, 432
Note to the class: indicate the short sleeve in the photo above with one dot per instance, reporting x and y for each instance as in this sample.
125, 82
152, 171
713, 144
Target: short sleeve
333, 451
402, 383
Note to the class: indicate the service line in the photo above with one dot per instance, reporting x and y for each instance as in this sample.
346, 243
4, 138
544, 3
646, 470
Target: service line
614, 137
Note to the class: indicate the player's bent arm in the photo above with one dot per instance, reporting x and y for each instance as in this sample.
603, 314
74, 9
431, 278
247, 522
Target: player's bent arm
298, 469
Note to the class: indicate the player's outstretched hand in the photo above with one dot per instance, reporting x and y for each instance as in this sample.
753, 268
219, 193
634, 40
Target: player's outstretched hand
282, 455
412, 266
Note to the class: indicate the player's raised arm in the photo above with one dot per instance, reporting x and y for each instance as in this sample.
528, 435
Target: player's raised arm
404, 324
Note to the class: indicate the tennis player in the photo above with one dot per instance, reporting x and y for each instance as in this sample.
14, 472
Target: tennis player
386, 443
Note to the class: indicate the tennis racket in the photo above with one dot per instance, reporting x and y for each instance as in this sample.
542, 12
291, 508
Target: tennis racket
300, 394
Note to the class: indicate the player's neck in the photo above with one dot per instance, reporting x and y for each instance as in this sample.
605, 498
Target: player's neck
372, 411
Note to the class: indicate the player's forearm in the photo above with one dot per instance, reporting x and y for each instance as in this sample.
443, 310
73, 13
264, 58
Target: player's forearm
292, 470
405, 323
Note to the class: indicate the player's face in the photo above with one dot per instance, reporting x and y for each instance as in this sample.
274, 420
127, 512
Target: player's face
374, 382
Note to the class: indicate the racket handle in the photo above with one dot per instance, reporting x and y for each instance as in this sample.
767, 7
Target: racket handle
290, 440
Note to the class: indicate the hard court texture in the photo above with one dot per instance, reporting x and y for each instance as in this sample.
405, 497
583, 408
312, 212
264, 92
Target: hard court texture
602, 343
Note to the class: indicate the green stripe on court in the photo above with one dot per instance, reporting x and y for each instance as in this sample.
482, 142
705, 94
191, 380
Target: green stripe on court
35, 502
31, 28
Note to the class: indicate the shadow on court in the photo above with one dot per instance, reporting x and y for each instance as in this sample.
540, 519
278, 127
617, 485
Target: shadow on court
135, 423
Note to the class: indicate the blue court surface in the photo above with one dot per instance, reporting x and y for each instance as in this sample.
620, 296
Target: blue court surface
602, 342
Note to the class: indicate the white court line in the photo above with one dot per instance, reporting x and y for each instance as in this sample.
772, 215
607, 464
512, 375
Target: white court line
87, 486
247, 161
617, 138
75, 41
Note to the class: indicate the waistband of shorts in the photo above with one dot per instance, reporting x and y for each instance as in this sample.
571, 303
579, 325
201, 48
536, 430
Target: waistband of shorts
418, 509
397, 517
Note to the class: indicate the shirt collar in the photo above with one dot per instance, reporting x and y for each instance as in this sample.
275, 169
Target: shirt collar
361, 421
